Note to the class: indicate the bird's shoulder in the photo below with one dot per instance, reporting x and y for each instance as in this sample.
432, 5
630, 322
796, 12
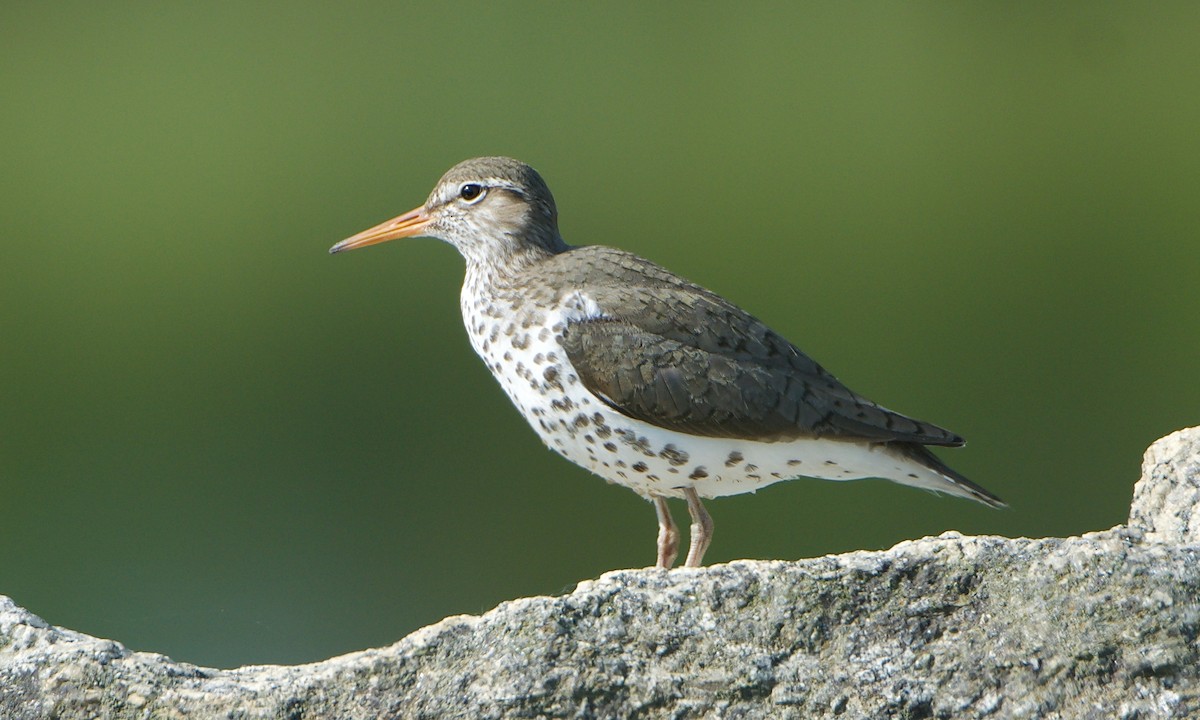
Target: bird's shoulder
601, 267
627, 288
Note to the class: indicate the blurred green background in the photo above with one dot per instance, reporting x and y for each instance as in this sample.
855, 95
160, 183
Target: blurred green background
219, 442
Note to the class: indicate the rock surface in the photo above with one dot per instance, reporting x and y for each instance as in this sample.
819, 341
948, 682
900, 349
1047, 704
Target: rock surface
1099, 626
1168, 495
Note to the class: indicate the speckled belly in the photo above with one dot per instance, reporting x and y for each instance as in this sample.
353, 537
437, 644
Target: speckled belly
522, 350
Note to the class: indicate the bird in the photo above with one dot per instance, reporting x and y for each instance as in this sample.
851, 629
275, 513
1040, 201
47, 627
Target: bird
644, 378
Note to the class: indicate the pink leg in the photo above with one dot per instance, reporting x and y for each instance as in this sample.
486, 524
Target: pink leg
668, 534
702, 529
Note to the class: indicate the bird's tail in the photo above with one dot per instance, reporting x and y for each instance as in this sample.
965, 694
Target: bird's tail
947, 480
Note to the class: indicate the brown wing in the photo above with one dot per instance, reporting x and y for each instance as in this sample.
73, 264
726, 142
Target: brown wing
677, 356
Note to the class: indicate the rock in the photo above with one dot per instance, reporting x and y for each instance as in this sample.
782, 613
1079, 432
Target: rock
1168, 495
1098, 626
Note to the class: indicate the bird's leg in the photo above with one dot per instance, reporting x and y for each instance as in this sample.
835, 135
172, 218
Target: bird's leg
668, 534
702, 528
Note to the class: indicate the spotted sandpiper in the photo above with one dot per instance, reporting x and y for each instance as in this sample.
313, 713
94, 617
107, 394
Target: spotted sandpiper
646, 379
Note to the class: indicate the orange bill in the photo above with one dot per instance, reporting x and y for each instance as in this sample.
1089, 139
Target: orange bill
410, 224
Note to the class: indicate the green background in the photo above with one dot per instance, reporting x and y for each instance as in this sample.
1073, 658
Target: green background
219, 442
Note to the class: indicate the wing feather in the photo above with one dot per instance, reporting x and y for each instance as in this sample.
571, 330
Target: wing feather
675, 355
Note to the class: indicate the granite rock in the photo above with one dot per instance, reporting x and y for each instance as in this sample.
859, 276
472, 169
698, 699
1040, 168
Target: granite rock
1099, 626
1168, 494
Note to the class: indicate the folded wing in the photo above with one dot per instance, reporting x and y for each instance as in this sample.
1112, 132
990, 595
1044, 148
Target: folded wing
690, 361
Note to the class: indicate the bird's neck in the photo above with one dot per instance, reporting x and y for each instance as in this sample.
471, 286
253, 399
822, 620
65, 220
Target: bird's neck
493, 273
504, 264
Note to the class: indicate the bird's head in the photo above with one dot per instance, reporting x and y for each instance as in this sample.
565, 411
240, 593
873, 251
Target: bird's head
490, 208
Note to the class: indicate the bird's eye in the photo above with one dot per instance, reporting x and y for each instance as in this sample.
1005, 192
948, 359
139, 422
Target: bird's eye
470, 192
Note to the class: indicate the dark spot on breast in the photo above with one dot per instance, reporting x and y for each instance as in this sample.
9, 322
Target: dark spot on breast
562, 405
698, 474
734, 458
611, 447
641, 444
794, 463
751, 468
521, 342
830, 462
673, 455
581, 421
641, 466
913, 476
